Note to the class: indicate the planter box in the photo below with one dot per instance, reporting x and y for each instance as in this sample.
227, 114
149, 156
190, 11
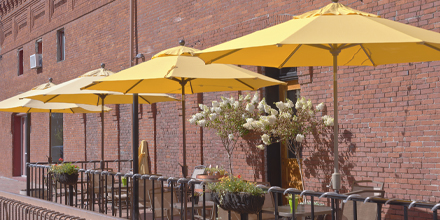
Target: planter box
67, 179
242, 203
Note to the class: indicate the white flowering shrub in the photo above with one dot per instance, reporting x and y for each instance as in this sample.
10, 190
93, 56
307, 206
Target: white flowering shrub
227, 117
282, 125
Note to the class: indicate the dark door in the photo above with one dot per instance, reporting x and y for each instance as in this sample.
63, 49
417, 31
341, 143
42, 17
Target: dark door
18, 160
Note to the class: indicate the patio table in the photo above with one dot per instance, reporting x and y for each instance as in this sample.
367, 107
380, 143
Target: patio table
301, 212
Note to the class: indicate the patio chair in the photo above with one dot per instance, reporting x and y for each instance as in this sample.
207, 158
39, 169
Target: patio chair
95, 182
365, 211
166, 203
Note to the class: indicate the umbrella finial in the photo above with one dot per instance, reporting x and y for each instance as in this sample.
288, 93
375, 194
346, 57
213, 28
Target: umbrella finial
50, 79
182, 42
103, 65
335, 1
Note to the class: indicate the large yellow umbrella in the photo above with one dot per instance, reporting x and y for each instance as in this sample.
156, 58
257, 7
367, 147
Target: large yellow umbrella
70, 92
20, 104
176, 71
331, 36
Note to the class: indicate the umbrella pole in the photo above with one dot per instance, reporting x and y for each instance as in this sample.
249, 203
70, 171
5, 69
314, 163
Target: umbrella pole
336, 176
184, 167
102, 96
135, 141
50, 137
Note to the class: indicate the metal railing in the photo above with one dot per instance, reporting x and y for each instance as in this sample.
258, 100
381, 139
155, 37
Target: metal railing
104, 191
16, 210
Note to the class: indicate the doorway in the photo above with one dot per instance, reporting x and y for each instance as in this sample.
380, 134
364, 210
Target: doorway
291, 176
282, 166
18, 139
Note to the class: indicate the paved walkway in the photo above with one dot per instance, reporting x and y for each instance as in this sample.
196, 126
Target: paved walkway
12, 185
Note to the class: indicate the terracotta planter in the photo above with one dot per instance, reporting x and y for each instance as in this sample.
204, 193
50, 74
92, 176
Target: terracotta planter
67, 179
242, 203
207, 178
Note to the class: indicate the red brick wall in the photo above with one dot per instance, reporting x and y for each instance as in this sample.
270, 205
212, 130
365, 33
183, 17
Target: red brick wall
389, 115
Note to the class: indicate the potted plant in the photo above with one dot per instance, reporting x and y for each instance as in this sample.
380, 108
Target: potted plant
235, 194
65, 172
227, 118
289, 127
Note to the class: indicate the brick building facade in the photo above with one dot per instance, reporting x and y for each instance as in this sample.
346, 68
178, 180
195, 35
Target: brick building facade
389, 115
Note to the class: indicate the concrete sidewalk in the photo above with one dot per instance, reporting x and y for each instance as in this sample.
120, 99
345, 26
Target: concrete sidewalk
12, 185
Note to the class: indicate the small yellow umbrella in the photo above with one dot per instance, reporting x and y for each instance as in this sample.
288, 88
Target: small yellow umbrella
331, 36
175, 71
23, 105
144, 166
70, 92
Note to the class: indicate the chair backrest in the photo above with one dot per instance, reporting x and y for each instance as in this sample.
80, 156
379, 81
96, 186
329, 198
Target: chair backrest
166, 202
368, 188
365, 211
97, 179
200, 169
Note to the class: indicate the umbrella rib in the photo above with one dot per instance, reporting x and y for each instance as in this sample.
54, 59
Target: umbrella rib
71, 110
430, 46
51, 99
190, 86
134, 86
245, 84
291, 54
224, 55
145, 99
368, 55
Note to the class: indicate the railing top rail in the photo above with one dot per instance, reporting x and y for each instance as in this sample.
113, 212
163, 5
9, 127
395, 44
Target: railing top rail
85, 162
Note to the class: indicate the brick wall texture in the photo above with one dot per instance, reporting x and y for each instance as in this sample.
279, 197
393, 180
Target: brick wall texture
389, 115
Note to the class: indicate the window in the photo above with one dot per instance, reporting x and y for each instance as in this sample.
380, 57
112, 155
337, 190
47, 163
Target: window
57, 136
39, 46
61, 41
20, 61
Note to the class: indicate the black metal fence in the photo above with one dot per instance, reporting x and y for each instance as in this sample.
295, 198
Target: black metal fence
17, 210
168, 197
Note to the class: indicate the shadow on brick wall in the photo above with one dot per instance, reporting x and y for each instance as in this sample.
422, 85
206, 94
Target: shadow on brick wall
319, 164
254, 156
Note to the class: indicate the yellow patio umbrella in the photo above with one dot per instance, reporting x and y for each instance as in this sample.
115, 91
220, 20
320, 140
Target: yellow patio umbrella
70, 92
331, 36
175, 71
144, 166
19, 104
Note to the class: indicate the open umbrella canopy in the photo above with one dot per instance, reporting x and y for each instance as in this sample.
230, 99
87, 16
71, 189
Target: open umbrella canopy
165, 75
174, 71
23, 105
70, 92
176, 51
330, 36
363, 39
